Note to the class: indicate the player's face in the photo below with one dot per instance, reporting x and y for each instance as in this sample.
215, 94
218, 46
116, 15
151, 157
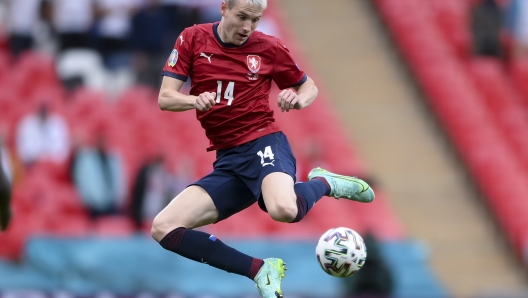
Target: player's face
239, 22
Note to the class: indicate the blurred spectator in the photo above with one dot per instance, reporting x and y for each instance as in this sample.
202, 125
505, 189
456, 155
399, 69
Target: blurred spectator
487, 25
155, 27
151, 191
156, 185
23, 16
517, 26
43, 135
5, 161
81, 67
181, 14
72, 21
209, 11
44, 36
149, 32
374, 279
113, 28
5, 197
98, 175
183, 174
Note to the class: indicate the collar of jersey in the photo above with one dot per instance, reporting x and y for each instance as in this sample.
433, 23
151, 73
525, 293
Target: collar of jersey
227, 45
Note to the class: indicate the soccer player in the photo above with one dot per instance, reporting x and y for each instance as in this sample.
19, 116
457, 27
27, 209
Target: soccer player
231, 67
5, 198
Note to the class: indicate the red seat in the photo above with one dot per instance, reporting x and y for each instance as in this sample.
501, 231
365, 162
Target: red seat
453, 18
113, 226
504, 103
377, 217
519, 75
34, 67
70, 225
5, 67
22, 226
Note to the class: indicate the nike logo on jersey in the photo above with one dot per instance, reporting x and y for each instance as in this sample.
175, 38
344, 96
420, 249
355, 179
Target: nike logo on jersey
268, 163
202, 54
181, 37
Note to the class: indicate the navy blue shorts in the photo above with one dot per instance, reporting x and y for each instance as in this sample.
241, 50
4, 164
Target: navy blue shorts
236, 181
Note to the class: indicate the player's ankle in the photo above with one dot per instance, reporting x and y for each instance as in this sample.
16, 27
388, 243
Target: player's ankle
322, 179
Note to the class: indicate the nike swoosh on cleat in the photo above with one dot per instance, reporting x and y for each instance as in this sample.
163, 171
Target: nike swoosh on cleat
363, 188
267, 284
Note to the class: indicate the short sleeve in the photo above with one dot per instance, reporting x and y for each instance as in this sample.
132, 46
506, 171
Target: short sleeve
286, 73
178, 64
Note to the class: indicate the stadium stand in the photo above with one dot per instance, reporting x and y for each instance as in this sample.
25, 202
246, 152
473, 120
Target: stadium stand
476, 100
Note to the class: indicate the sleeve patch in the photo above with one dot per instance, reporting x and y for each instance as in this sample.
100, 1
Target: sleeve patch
173, 58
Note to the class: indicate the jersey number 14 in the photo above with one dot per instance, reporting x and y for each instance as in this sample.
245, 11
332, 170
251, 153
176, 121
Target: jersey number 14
228, 93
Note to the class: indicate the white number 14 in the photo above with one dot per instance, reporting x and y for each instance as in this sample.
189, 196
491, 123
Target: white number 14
267, 154
228, 94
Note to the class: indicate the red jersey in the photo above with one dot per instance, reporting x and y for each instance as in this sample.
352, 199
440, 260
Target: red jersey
241, 77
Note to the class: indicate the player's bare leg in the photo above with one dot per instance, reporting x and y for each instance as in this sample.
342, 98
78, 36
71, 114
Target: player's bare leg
194, 208
289, 202
279, 196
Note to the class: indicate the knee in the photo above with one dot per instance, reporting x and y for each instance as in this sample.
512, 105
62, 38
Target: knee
161, 227
283, 212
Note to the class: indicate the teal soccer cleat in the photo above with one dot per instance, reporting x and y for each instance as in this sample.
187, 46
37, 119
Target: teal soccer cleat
344, 187
269, 278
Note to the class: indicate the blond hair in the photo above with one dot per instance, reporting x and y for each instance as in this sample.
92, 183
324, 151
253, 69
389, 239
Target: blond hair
260, 3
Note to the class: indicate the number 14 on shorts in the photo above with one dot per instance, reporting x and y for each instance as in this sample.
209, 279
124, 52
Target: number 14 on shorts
268, 154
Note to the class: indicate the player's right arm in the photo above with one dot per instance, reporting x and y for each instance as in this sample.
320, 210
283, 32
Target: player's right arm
175, 73
171, 99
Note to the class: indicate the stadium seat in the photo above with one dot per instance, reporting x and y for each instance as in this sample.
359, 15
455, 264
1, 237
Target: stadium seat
5, 62
22, 226
8, 103
519, 76
34, 67
504, 103
453, 19
377, 217
113, 226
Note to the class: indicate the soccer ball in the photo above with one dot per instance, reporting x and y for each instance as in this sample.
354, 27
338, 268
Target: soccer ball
341, 252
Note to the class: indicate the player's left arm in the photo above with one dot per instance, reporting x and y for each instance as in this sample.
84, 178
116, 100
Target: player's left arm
299, 98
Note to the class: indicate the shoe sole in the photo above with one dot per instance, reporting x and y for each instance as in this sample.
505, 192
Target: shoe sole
281, 268
279, 265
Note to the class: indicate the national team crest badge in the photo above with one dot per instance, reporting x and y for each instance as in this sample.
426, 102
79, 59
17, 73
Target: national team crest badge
253, 63
173, 58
